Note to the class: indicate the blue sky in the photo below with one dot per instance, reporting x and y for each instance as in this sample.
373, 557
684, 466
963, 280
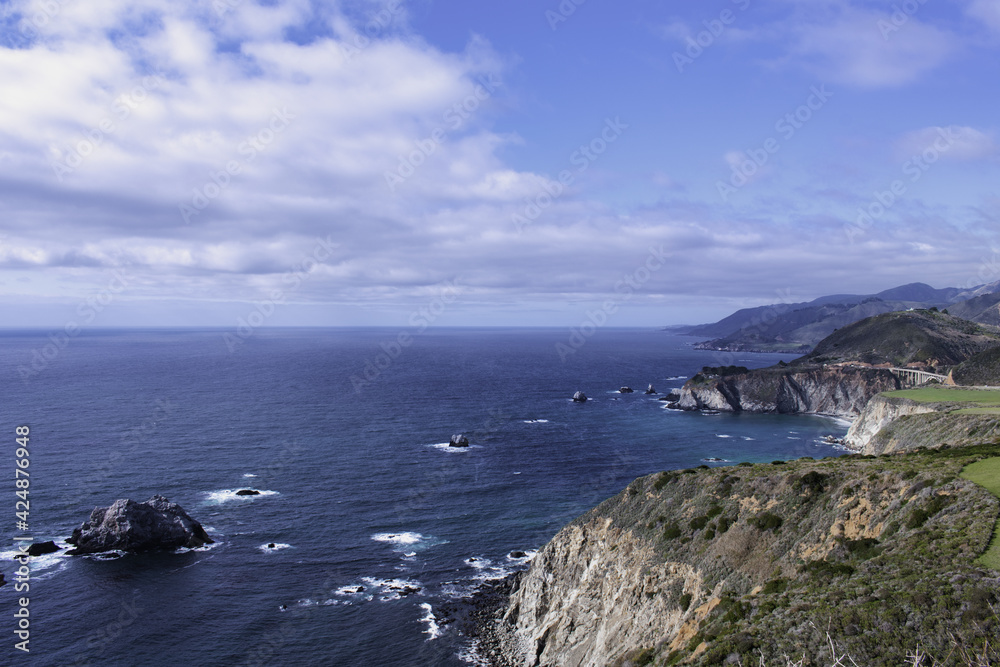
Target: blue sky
356, 163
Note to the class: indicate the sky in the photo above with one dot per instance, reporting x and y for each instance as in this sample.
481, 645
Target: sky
455, 163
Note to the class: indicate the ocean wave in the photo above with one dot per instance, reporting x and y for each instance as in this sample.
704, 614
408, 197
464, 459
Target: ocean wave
536, 421
747, 437
274, 546
249, 474
227, 495
722, 435
388, 590
433, 629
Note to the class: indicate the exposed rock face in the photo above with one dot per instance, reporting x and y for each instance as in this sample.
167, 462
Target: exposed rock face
837, 391
130, 526
879, 413
580, 397
458, 441
583, 603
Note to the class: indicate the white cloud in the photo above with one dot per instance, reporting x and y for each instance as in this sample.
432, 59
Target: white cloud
951, 143
987, 11
869, 48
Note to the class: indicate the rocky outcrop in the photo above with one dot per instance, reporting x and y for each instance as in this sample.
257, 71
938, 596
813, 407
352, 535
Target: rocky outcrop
42, 548
838, 391
130, 526
248, 492
650, 390
579, 397
626, 390
458, 441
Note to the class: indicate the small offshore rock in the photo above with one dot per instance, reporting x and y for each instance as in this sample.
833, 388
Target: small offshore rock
248, 492
650, 390
458, 441
518, 554
579, 397
42, 548
625, 390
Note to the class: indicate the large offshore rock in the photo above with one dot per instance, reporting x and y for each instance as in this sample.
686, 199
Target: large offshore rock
130, 526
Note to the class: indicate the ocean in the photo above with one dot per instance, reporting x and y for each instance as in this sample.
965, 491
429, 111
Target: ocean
367, 524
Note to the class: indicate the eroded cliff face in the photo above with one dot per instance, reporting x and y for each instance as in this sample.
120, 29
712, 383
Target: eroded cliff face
596, 591
841, 392
877, 414
705, 566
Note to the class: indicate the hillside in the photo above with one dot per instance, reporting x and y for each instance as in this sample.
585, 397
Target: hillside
980, 369
926, 337
755, 563
984, 309
799, 326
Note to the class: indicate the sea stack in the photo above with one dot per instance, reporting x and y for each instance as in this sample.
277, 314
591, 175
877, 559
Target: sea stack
579, 397
126, 525
458, 441
650, 390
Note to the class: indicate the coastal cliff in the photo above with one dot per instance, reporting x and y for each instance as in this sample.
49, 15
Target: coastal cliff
838, 391
877, 414
706, 567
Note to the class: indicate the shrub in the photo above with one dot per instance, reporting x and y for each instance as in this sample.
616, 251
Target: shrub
714, 511
685, 601
745, 464
710, 534
827, 570
766, 521
863, 549
811, 482
699, 522
723, 524
671, 531
777, 463
775, 586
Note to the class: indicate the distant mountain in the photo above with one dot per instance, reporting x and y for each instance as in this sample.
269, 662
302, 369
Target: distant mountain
984, 309
919, 336
798, 327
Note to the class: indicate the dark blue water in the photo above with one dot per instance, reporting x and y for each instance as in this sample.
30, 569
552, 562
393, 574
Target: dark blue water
357, 489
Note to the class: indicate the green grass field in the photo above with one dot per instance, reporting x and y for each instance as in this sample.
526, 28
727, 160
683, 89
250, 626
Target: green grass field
981, 397
986, 473
976, 411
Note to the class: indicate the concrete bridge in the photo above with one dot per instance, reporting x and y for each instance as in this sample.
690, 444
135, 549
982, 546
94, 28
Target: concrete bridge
912, 378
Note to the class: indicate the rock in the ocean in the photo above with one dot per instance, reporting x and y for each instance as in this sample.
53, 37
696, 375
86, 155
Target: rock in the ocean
130, 526
580, 397
518, 554
674, 396
458, 441
625, 390
248, 492
650, 390
42, 548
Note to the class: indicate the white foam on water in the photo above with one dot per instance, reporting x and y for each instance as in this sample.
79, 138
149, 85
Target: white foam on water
536, 421
722, 435
249, 474
432, 627
398, 538
747, 437
446, 447
793, 437
266, 548
515, 473
227, 495
392, 589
